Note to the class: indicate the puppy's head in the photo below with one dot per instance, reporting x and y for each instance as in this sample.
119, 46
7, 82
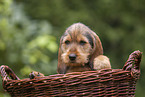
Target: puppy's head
78, 46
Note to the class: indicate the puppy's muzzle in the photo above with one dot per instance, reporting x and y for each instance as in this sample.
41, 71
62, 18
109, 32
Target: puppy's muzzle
72, 57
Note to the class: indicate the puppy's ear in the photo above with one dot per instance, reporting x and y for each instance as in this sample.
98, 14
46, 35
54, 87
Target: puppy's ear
97, 50
61, 67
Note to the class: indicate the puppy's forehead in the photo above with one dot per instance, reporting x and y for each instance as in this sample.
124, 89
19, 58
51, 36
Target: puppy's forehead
79, 31
76, 30
74, 37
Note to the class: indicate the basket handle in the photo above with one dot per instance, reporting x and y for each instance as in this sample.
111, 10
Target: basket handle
133, 63
5, 72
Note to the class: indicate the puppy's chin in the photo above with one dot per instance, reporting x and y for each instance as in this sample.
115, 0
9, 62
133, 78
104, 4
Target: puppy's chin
79, 61
73, 64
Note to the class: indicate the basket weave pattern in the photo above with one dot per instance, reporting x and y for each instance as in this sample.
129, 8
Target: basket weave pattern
105, 82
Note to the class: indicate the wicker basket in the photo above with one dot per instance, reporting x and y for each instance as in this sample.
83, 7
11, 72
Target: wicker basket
106, 82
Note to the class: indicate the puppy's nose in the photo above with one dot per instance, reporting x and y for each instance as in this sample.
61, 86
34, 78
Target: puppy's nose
72, 57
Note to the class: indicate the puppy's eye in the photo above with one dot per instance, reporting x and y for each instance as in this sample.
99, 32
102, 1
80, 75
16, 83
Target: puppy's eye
82, 42
67, 42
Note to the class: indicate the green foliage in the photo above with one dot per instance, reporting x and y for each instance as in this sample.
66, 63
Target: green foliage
25, 40
26, 44
29, 31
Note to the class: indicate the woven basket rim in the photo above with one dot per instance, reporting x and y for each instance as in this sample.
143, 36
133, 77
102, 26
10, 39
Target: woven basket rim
130, 71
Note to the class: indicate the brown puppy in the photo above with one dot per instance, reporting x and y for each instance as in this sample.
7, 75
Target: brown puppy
79, 46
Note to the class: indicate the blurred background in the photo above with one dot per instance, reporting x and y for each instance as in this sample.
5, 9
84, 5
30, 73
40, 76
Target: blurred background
30, 31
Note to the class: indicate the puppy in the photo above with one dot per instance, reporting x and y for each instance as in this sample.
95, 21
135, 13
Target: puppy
35, 74
101, 62
80, 50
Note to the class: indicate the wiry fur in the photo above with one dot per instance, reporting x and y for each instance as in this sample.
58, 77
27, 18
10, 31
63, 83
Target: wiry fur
81, 41
101, 62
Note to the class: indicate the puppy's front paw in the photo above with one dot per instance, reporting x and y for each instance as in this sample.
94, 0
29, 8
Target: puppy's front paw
35, 74
102, 62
